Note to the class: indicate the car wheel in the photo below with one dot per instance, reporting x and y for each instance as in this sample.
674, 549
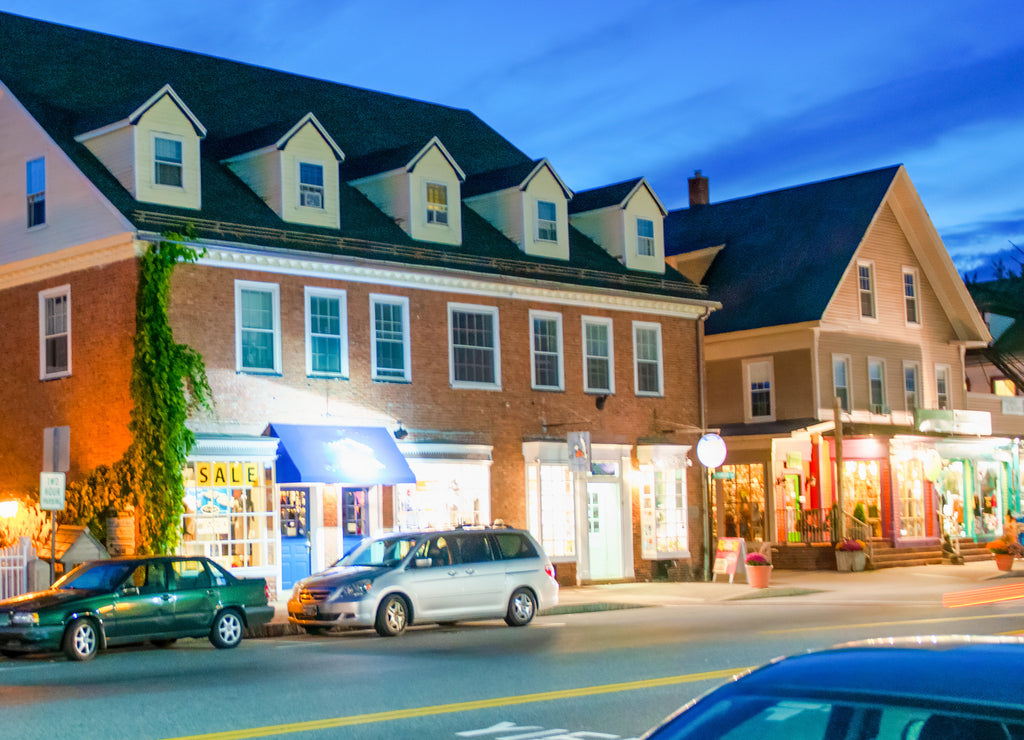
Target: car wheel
521, 608
81, 640
164, 643
227, 630
392, 616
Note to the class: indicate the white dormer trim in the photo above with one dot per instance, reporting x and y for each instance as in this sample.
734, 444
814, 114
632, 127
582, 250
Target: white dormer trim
310, 118
541, 164
434, 141
134, 117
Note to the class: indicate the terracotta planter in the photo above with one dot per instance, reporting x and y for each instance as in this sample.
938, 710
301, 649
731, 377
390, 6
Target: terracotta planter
850, 560
1004, 561
758, 576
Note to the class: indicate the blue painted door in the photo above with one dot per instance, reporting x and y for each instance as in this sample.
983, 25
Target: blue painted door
295, 549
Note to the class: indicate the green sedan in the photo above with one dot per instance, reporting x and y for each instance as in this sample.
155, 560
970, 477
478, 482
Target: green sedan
130, 600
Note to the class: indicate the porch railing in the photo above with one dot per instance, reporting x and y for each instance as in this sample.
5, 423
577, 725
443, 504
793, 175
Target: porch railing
819, 526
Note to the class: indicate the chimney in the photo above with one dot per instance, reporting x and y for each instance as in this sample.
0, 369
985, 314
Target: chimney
700, 194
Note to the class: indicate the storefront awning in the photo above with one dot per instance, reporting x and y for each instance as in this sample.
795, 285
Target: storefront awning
355, 456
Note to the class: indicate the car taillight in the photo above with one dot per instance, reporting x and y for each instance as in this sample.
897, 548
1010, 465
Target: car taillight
550, 570
266, 590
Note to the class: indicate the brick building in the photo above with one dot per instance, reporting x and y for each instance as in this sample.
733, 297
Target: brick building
406, 322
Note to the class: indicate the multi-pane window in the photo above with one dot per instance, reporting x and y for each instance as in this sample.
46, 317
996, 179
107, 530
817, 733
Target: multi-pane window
876, 386
647, 358
311, 185
866, 289
759, 388
910, 296
35, 191
546, 350
547, 221
475, 353
257, 316
841, 381
912, 385
437, 203
598, 368
326, 332
167, 162
55, 332
644, 237
942, 386
390, 349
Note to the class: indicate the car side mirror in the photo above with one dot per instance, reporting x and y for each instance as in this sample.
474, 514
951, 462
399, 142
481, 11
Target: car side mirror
422, 563
130, 590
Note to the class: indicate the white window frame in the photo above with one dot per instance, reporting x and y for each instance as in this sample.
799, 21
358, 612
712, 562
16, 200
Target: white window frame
44, 296
748, 390
587, 357
911, 302
646, 246
943, 376
492, 311
341, 297
881, 404
436, 214
535, 354
639, 326
34, 196
180, 164
303, 189
911, 404
847, 364
375, 371
275, 292
547, 229
870, 292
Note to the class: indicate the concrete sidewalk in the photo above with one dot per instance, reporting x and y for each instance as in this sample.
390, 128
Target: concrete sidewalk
924, 584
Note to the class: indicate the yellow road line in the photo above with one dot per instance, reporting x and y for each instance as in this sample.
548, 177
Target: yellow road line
822, 627
465, 706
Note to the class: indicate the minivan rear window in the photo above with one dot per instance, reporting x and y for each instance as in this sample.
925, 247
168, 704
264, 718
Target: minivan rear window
514, 545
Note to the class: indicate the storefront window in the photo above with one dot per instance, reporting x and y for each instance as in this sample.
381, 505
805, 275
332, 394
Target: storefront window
862, 484
949, 487
988, 500
551, 510
446, 494
663, 512
910, 488
229, 513
744, 501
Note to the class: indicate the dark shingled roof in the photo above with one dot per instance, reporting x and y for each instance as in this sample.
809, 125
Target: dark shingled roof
609, 195
785, 251
73, 81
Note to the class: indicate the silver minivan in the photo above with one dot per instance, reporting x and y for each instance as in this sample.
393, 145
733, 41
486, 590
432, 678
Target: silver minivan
398, 579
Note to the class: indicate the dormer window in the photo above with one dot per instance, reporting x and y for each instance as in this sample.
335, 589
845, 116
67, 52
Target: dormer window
35, 191
167, 161
547, 221
644, 237
311, 185
437, 204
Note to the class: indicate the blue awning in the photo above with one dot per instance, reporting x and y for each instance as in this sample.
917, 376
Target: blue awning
355, 456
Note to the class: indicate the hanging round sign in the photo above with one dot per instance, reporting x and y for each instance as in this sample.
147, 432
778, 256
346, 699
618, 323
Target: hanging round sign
711, 450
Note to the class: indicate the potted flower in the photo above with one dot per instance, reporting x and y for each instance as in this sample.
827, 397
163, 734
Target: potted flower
759, 570
1005, 549
850, 555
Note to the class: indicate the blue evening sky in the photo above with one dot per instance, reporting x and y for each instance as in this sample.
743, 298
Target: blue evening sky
757, 94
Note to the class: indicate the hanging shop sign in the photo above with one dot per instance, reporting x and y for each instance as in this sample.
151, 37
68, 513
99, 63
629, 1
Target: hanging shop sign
711, 450
579, 452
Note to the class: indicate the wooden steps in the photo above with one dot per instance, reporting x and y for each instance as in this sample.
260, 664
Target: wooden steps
822, 556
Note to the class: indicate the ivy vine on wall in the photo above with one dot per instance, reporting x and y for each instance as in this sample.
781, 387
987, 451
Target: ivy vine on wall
168, 382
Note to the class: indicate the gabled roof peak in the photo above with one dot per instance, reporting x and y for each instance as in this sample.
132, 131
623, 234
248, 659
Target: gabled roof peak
517, 176
616, 195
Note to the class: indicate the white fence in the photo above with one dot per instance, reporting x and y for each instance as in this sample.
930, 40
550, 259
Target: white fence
14, 568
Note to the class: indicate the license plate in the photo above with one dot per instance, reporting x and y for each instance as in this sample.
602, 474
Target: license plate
309, 610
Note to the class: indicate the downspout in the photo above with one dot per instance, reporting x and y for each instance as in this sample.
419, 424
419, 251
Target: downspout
705, 488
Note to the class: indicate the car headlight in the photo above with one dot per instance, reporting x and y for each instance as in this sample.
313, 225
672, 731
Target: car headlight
355, 590
24, 618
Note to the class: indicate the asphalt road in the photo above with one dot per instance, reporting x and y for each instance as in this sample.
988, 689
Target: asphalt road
593, 675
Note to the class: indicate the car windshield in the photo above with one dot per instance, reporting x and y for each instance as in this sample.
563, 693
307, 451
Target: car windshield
100, 576
384, 553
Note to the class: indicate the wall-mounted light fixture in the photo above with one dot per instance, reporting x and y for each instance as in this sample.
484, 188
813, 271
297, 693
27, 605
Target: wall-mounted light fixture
600, 401
401, 432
